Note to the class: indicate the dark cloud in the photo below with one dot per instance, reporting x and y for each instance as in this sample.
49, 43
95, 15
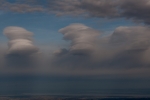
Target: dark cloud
21, 6
137, 10
92, 8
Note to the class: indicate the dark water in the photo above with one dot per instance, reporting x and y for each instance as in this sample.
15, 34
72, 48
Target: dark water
60, 97
72, 88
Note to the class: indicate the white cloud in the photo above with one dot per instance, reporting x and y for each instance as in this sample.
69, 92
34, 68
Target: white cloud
20, 41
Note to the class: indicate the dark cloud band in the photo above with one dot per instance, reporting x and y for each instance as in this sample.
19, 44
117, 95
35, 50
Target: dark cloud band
137, 10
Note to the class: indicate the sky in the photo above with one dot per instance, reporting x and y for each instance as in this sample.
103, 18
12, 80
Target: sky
74, 47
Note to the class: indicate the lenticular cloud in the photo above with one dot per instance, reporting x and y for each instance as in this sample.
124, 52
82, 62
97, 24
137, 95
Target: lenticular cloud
20, 41
82, 38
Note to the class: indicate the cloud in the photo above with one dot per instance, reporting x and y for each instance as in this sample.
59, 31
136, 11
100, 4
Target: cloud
132, 44
92, 8
82, 38
20, 41
125, 48
131, 38
137, 10
60, 52
21, 48
21, 6
125, 51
